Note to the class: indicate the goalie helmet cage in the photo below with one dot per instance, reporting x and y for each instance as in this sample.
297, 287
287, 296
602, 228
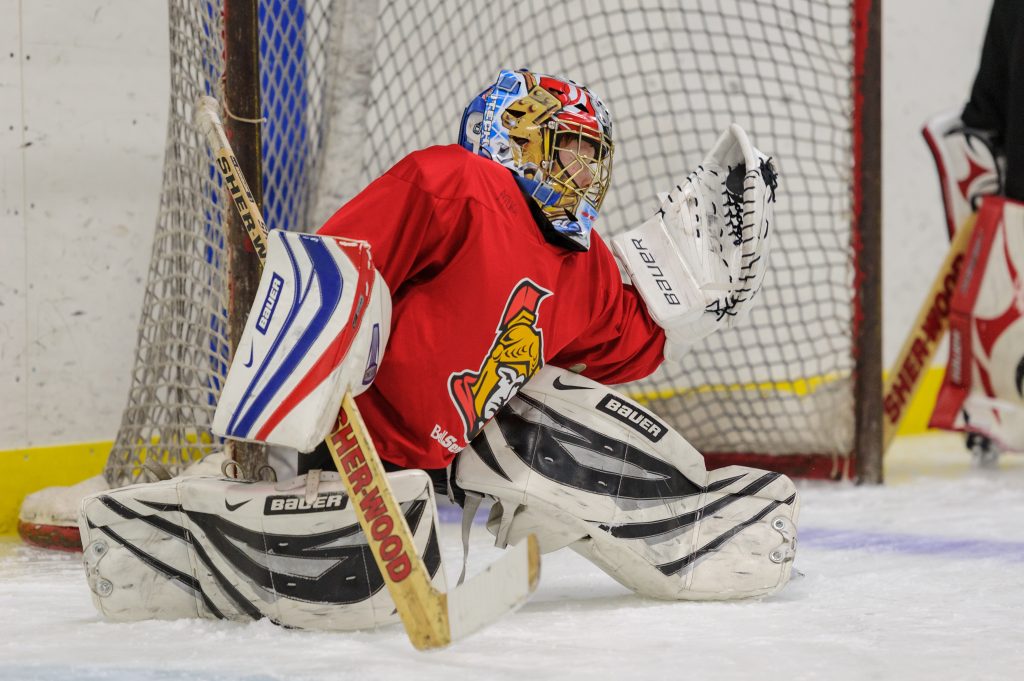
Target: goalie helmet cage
350, 86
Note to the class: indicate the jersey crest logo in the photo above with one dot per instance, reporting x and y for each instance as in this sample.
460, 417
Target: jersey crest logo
516, 354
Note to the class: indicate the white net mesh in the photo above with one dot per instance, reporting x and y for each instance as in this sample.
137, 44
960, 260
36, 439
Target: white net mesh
182, 353
674, 75
396, 76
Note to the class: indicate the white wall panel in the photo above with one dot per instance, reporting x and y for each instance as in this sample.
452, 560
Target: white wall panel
95, 99
13, 276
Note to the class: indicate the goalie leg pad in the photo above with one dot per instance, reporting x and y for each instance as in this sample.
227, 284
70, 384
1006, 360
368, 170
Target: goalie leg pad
223, 549
983, 387
591, 469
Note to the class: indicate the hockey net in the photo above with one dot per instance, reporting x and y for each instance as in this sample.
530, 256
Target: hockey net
350, 86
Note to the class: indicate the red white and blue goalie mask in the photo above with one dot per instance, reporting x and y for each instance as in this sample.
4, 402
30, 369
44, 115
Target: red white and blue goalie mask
556, 136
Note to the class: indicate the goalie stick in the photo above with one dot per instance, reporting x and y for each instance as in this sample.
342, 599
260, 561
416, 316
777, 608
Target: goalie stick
432, 618
926, 333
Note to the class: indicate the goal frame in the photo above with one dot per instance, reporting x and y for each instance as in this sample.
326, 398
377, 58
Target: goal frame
242, 98
863, 383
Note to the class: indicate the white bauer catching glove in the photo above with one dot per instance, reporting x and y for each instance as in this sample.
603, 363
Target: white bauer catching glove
699, 261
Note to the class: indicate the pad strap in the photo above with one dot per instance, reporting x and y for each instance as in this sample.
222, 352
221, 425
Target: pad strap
469, 509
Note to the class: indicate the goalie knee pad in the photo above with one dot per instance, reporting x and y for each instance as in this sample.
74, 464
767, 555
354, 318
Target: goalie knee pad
581, 465
209, 547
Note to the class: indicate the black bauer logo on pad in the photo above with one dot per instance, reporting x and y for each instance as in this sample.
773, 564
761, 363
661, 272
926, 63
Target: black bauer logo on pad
633, 416
289, 504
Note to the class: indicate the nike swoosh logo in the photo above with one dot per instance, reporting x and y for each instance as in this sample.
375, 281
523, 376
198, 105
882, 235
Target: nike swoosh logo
565, 386
249, 363
235, 507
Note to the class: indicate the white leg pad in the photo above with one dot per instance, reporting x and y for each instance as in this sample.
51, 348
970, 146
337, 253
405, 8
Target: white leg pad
218, 548
590, 469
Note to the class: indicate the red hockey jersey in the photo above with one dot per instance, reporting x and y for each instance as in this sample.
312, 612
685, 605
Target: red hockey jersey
480, 301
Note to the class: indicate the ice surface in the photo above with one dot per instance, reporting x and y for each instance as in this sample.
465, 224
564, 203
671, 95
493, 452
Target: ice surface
922, 579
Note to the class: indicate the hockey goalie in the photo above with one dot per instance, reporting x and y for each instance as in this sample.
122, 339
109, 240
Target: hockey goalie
466, 299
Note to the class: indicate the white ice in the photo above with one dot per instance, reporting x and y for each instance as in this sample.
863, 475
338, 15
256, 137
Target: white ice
920, 579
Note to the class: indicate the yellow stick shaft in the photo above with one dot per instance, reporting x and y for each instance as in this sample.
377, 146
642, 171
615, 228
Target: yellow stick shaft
924, 337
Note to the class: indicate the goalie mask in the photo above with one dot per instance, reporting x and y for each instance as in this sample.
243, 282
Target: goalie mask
556, 136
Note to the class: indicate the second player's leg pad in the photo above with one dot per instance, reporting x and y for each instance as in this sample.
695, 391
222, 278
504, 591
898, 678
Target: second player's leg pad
590, 469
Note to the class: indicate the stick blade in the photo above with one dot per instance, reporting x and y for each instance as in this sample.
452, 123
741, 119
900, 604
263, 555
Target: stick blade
502, 588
